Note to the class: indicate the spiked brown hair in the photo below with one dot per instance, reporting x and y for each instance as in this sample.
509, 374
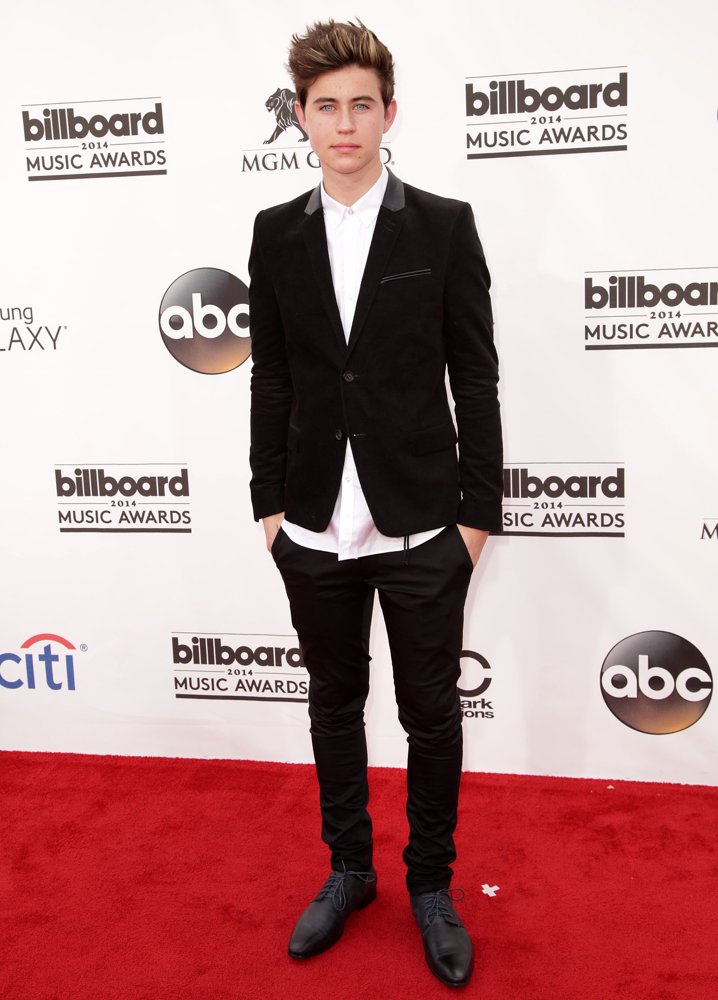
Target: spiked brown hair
329, 45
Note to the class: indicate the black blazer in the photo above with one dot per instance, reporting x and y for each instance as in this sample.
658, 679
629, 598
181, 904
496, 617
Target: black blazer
423, 308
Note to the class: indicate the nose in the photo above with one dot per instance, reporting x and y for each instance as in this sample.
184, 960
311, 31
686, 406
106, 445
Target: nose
345, 123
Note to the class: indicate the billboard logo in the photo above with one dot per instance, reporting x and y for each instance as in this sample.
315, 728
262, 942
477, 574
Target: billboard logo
151, 498
239, 667
574, 499
123, 137
639, 310
537, 114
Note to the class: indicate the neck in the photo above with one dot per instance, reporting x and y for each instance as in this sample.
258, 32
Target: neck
348, 188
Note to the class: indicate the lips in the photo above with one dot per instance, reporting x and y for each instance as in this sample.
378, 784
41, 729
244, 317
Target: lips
344, 148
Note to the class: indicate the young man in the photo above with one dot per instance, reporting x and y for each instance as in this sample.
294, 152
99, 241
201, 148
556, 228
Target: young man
363, 293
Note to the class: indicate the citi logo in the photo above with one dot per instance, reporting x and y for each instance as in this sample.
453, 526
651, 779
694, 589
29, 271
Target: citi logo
511, 97
92, 482
634, 291
39, 668
214, 651
64, 123
656, 682
520, 484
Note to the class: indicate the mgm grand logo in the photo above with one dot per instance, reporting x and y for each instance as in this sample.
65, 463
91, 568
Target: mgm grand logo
282, 104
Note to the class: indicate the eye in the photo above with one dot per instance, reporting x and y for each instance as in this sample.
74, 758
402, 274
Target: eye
326, 107
361, 107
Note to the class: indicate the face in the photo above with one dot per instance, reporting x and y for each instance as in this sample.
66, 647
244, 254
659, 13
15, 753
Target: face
345, 119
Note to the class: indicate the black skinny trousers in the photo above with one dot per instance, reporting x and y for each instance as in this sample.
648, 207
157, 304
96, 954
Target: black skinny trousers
422, 595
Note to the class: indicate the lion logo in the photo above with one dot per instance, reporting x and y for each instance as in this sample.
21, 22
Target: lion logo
281, 103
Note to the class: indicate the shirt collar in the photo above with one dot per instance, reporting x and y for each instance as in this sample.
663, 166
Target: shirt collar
366, 208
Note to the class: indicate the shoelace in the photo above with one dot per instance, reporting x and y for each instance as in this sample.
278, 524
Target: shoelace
439, 905
333, 888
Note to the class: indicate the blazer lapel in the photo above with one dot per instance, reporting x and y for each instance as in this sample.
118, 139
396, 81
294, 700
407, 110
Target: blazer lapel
388, 226
315, 238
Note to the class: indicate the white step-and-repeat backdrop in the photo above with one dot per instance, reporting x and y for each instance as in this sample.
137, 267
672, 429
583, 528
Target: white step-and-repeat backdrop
140, 611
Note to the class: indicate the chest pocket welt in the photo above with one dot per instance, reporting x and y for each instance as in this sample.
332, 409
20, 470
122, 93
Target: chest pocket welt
421, 272
430, 439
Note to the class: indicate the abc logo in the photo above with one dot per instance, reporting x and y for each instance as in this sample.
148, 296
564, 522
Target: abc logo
204, 319
656, 682
474, 680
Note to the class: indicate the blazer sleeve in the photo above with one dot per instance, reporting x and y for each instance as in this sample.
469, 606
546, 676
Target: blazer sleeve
270, 386
473, 374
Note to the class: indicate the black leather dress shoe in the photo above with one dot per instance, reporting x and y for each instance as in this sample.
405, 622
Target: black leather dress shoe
447, 945
322, 923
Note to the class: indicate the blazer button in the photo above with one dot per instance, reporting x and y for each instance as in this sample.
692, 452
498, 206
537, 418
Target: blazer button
338, 435
348, 376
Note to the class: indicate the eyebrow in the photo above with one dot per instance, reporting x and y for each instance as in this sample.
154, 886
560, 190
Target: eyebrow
335, 100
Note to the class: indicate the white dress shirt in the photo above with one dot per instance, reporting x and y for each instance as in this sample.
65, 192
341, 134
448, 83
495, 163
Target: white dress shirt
351, 533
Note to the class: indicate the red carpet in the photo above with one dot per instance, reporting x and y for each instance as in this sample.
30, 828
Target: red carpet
155, 879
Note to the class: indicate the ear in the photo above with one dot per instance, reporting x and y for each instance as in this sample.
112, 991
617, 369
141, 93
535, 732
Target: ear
299, 111
389, 115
